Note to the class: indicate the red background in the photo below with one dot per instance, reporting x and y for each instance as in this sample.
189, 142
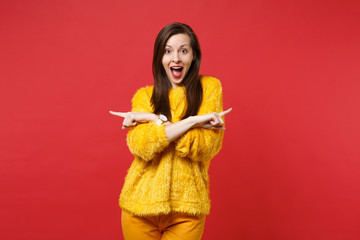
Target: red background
289, 167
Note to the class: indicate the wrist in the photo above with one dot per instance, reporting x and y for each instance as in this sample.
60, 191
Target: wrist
193, 121
154, 117
161, 119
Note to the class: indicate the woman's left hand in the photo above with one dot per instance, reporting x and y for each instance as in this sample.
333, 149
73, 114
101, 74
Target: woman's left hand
133, 118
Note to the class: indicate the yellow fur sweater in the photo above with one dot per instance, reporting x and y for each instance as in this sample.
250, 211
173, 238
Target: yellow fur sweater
171, 176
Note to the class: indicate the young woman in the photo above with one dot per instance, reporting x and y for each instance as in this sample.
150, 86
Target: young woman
176, 128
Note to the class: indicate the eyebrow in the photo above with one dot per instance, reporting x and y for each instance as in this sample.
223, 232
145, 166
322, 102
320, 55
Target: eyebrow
180, 46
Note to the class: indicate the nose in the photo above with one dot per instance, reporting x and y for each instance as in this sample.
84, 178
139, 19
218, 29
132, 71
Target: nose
176, 58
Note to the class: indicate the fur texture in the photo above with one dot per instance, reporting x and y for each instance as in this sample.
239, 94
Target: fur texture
171, 176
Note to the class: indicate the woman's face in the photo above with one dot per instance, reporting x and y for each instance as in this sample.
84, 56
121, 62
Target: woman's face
177, 58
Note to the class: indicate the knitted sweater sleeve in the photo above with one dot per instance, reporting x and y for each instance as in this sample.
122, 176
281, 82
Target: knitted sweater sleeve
201, 144
147, 139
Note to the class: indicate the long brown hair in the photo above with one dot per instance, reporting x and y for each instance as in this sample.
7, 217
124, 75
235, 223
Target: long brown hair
162, 85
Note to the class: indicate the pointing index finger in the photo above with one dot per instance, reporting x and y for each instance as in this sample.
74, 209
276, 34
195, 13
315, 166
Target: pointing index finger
120, 114
225, 112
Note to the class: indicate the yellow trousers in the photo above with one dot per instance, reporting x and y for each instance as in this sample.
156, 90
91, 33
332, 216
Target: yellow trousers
173, 226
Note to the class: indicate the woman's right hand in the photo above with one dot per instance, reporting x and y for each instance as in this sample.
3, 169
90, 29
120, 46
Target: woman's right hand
211, 120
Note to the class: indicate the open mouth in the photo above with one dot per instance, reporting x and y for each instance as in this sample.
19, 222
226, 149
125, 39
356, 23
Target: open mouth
176, 71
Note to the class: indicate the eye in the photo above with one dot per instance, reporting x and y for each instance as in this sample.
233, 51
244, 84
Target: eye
167, 51
183, 50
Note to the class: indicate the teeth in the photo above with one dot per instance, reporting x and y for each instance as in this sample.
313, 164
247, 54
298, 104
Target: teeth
176, 71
